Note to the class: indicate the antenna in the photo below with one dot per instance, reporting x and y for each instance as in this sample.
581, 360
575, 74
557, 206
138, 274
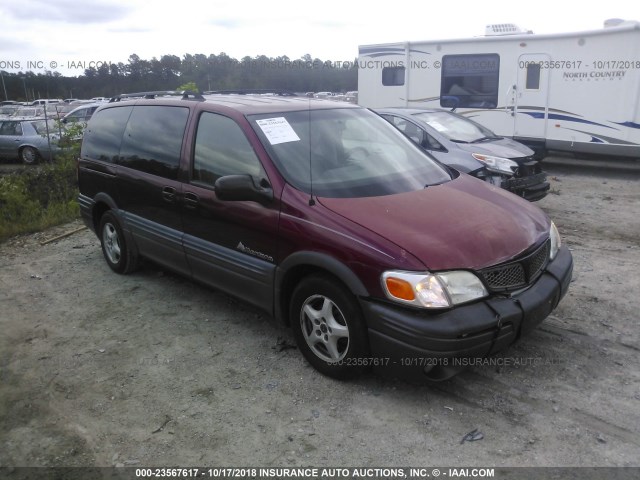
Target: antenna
312, 202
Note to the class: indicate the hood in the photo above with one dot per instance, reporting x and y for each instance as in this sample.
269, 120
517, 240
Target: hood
462, 224
505, 148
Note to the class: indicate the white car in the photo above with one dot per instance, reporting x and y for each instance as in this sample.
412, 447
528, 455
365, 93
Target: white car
45, 101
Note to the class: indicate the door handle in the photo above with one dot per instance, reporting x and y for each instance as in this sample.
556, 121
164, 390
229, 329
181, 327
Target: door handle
169, 194
191, 200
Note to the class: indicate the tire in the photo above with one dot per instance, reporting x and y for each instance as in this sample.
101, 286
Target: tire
116, 252
329, 328
29, 155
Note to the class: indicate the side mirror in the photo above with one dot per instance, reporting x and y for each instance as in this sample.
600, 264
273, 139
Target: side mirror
243, 188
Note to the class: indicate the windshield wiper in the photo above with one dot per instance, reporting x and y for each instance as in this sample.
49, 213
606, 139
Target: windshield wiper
458, 141
484, 139
436, 184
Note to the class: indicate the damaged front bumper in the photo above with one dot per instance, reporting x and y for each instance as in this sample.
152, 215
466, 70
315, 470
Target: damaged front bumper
528, 181
414, 344
533, 187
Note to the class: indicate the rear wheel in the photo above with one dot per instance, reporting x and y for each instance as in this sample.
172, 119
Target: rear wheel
114, 246
29, 155
329, 328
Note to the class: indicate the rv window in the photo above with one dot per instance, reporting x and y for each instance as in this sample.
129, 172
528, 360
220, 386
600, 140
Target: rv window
533, 76
392, 76
470, 81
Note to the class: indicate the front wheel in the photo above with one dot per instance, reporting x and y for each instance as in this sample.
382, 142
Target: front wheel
116, 252
329, 328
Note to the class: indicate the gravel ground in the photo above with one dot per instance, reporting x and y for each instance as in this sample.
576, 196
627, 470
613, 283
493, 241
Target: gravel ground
150, 369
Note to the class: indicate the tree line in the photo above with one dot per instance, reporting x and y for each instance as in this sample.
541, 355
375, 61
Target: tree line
213, 72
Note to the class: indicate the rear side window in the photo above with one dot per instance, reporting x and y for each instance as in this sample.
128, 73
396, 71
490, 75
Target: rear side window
103, 136
222, 149
153, 139
44, 127
10, 128
470, 81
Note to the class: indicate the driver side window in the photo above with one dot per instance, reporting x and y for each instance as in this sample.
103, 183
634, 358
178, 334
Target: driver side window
222, 149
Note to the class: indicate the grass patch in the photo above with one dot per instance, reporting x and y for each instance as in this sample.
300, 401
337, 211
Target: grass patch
38, 198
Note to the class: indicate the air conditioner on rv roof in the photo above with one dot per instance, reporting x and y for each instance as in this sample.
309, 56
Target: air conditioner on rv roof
504, 29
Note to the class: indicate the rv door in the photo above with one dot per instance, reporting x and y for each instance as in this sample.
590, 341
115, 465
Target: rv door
531, 97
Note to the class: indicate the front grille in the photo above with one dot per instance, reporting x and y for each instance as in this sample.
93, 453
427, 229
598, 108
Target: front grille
508, 276
538, 261
518, 274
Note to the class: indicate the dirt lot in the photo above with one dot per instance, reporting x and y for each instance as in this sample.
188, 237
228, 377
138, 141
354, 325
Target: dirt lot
151, 369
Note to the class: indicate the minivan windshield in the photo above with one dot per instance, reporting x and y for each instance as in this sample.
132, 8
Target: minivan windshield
345, 152
456, 127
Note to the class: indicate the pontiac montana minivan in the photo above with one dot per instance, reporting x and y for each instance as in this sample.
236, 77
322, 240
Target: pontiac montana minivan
328, 218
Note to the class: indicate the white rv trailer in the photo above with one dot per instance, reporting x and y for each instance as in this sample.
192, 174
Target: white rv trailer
577, 92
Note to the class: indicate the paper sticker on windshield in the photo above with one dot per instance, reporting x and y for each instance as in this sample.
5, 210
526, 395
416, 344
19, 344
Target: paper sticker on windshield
278, 130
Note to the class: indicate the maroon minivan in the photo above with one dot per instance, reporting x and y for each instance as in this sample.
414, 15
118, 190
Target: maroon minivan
325, 216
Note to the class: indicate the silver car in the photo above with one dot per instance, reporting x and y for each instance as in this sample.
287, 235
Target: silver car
28, 139
81, 113
472, 148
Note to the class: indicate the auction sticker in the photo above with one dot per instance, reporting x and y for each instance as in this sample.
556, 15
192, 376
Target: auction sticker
278, 130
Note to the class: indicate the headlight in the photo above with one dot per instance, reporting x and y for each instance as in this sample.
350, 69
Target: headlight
556, 242
496, 164
432, 290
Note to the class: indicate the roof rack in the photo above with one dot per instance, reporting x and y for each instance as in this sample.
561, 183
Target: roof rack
253, 91
186, 95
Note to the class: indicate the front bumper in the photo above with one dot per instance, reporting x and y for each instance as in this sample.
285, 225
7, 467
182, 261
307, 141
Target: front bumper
533, 187
414, 344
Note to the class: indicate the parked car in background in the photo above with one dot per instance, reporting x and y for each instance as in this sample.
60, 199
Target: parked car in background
323, 95
33, 112
8, 110
351, 97
45, 101
57, 110
100, 99
472, 148
27, 139
81, 113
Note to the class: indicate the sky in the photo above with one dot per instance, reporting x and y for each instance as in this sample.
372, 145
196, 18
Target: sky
70, 35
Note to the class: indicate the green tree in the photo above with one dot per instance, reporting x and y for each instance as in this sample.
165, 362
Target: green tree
191, 87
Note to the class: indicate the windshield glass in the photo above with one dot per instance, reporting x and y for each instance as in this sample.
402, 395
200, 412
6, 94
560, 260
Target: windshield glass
455, 127
351, 152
